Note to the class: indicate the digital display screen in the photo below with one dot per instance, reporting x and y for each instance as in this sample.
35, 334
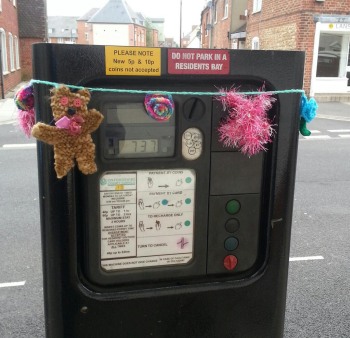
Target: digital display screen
138, 146
129, 113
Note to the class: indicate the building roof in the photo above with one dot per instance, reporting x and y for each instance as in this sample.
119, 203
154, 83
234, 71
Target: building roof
62, 26
87, 16
117, 12
32, 18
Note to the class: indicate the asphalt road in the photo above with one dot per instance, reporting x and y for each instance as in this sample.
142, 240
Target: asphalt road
21, 310
318, 304
319, 290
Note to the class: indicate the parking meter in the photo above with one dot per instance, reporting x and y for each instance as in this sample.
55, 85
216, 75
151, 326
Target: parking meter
175, 235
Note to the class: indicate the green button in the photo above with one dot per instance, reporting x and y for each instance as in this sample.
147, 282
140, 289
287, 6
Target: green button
233, 206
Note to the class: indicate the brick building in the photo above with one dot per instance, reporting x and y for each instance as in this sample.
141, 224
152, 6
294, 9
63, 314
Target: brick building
222, 22
32, 29
9, 44
116, 23
321, 28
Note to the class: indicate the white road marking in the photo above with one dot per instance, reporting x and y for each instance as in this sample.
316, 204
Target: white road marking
331, 117
19, 146
339, 130
315, 131
344, 136
308, 258
8, 285
317, 137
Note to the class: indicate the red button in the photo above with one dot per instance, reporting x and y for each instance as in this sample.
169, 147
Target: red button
230, 262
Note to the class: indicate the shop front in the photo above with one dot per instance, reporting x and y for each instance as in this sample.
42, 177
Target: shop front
331, 61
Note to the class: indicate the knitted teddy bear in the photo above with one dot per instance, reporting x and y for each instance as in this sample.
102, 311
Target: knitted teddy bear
71, 134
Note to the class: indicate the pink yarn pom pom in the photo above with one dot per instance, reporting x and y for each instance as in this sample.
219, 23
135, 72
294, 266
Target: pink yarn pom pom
247, 126
26, 120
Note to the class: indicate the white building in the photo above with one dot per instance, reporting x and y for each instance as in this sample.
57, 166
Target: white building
331, 58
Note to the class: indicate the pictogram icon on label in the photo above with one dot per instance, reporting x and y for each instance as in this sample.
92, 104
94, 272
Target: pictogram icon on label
182, 243
192, 144
150, 222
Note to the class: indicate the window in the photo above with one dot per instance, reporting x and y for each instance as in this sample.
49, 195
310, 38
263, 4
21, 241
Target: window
257, 6
3, 51
17, 52
12, 54
87, 36
225, 9
329, 55
0, 5
255, 43
14, 3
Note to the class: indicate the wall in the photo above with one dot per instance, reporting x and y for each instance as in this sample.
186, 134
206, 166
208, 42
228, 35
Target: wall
221, 28
84, 28
290, 26
109, 34
9, 23
238, 9
26, 57
205, 34
119, 35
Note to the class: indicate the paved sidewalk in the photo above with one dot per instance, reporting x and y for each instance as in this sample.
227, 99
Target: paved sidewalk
8, 110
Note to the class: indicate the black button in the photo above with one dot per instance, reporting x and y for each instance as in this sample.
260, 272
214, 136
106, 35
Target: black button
232, 225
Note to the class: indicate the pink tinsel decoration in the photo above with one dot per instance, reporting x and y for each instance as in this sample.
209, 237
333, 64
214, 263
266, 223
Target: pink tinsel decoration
26, 120
247, 126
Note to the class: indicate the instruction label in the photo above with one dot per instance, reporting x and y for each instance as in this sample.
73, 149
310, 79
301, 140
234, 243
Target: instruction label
147, 218
198, 61
132, 61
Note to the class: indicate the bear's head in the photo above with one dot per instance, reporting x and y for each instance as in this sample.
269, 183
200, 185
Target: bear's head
65, 103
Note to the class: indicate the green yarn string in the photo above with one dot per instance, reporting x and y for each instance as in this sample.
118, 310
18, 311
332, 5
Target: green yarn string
137, 91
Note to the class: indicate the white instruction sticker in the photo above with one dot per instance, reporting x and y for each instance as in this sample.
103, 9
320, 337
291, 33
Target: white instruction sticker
147, 218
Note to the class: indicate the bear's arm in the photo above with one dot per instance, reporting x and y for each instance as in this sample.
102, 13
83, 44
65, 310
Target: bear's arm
48, 134
93, 120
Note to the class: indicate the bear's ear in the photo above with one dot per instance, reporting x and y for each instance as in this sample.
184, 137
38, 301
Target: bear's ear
60, 91
84, 93
57, 94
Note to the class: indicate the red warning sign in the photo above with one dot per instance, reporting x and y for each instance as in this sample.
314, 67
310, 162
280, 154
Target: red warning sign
198, 61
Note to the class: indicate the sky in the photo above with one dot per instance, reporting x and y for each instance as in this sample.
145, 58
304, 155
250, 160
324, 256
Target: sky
167, 9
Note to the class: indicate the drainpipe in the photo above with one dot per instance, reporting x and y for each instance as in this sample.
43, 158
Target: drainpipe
1, 77
180, 23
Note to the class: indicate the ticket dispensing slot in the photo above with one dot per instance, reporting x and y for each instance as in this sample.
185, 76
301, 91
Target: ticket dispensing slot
188, 209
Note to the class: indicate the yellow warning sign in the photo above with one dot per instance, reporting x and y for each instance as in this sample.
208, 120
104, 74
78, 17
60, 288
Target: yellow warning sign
138, 61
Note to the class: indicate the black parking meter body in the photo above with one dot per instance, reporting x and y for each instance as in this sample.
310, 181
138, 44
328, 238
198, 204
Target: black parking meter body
164, 241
